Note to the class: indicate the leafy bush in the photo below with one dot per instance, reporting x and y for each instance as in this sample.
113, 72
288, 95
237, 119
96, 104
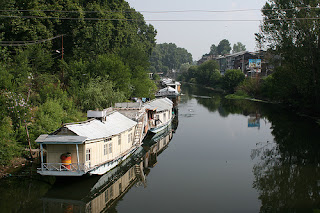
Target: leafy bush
250, 86
232, 79
9, 148
99, 94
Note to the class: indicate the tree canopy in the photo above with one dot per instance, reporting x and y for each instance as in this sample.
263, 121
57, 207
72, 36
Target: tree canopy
168, 57
105, 59
291, 30
238, 47
224, 47
214, 50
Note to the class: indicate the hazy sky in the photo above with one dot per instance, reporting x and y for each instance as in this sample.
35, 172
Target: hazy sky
197, 37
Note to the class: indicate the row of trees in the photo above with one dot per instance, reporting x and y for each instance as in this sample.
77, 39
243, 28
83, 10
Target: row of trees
105, 60
167, 57
208, 74
224, 47
291, 30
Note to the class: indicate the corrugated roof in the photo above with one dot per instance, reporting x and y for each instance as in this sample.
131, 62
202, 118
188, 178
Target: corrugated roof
167, 91
159, 104
94, 129
61, 139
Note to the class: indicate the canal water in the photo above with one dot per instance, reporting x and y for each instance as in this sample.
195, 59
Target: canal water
218, 156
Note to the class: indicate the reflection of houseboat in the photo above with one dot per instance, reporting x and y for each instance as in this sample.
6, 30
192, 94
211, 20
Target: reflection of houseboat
160, 114
94, 146
96, 194
155, 147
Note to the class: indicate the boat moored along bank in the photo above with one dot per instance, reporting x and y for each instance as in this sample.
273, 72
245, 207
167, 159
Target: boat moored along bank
106, 139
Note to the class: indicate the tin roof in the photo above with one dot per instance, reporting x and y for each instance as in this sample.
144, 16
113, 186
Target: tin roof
160, 104
94, 129
174, 83
61, 139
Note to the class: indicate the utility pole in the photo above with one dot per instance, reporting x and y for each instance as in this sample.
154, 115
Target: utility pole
62, 51
62, 47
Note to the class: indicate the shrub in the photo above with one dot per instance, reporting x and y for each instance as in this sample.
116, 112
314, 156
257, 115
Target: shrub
9, 148
232, 79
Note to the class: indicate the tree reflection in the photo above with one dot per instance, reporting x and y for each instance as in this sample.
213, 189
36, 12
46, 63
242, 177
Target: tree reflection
287, 172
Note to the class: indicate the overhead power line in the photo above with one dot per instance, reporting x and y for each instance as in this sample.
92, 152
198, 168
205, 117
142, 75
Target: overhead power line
162, 20
163, 11
25, 43
70, 18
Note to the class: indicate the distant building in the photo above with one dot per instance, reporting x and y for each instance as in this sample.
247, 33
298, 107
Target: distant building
240, 61
150, 75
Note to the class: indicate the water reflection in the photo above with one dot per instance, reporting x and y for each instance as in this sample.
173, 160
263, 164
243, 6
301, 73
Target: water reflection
287, 172
101, 194
254, 120
287, 169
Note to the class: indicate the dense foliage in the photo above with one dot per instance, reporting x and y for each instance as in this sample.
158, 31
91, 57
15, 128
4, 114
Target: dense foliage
291, 29
224, 47
167, 57
208, 74
238, 47
106, 48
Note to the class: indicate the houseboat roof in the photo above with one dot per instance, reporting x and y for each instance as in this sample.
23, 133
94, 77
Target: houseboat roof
167, 92
61, 139
128, 105
94, 129
168, 89
173, 83
159, 104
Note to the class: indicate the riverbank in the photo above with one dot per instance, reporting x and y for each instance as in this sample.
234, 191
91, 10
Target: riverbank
15, 165
301, 112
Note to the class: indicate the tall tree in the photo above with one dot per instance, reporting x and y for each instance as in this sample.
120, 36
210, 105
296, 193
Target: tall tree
238, 47
291, 29
224, 47
213, 50
168, 56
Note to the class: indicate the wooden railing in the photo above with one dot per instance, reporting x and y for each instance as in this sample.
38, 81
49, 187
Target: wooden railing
72, 167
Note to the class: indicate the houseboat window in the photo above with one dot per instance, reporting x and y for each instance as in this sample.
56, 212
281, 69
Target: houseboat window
105, 149
119, 139
106, 196
110, 148
88, 154
120, 187
111, 191
164, 117
129, 137
130, 173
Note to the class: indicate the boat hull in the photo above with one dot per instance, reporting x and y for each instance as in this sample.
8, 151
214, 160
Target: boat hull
100, 170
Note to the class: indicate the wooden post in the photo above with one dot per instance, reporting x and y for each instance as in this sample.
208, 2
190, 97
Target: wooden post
29, 142
41, 148
78, 156
62, 48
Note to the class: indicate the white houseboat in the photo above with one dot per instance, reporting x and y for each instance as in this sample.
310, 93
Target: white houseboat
167, 92
160, 114
168, 82
94, 146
